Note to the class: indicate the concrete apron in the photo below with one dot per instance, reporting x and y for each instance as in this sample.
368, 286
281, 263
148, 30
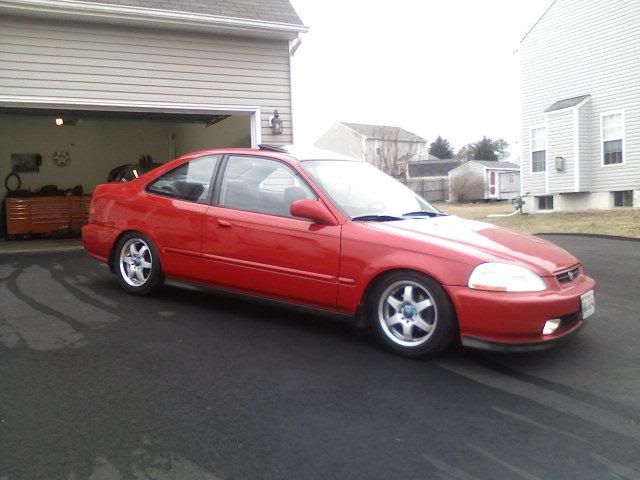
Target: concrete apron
8, 247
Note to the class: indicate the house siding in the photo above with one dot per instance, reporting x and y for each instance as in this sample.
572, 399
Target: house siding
584, 47
531, 182
560, 143
509, 184
474, 187
65, 60
584, 139
343, 140
407, 151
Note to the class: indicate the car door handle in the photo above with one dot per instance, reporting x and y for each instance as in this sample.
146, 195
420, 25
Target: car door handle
224, 224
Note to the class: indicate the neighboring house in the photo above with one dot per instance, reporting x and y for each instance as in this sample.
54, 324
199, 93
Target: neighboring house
581, 107
388, 148
484, 180
110, 80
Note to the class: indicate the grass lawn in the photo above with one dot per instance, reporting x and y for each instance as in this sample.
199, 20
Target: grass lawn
620, 222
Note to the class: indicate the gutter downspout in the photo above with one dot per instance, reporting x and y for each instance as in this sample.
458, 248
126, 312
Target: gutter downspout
293, 47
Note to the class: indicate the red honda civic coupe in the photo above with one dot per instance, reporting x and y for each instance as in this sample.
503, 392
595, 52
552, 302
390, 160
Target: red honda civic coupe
331, 232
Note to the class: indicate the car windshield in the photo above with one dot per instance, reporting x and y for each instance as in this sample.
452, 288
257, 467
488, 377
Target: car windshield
361, 190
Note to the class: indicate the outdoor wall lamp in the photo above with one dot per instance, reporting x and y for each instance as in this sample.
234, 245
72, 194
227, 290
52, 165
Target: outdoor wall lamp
276, 123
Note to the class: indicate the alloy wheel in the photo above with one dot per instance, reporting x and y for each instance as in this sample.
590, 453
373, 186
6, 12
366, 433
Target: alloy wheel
135, 262
407, 313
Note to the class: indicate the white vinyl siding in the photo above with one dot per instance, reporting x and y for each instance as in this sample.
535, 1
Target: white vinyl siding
612, 132
584, 142
64, 60
509, 183
538, 149
585, 47
560, 143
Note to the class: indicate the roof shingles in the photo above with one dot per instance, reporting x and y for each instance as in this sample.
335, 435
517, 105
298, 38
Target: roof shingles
433, 168
279, 11
566, 103
497, 164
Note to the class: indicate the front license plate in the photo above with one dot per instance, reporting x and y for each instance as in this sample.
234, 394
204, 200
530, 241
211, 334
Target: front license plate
588, 301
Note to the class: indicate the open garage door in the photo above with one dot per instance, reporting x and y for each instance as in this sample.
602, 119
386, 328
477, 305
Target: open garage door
71, 150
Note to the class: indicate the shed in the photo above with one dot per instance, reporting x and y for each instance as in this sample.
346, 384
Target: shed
484, 180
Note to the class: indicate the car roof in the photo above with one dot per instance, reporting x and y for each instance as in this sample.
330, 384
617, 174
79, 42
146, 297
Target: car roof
298, 153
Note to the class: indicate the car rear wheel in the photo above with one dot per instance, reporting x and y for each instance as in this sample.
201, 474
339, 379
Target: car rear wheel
138, 264
412, 315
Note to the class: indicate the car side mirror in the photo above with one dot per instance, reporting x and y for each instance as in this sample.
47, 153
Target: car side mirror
313, 210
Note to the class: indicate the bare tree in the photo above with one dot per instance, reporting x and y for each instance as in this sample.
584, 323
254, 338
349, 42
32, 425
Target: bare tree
392, 151
466, 187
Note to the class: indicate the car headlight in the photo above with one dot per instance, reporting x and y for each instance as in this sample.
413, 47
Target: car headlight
503, 277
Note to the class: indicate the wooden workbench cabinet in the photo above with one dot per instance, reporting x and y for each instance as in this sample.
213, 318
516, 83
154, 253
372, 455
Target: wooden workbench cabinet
46, 214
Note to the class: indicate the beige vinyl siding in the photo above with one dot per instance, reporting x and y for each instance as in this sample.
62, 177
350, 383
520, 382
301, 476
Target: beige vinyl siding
472, 179
109, 63
584, 139
585, 47
560, 143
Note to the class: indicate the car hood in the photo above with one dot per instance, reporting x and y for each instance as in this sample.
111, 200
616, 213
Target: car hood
477, 242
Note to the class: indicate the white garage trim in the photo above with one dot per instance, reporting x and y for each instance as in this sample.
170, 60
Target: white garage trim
10, 101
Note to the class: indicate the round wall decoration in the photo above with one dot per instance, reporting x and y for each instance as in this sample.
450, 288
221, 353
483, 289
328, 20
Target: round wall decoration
61, 158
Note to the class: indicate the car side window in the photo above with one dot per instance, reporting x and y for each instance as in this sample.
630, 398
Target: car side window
190, 181
261, 185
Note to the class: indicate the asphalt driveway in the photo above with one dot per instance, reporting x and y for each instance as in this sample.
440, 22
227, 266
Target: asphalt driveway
191, 384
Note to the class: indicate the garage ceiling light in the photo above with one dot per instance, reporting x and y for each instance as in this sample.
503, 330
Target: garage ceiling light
61, 121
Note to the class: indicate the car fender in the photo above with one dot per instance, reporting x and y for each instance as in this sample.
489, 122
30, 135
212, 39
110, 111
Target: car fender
359, 272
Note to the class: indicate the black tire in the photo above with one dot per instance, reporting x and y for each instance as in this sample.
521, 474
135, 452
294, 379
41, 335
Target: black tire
6, 182
427, 305
144, 280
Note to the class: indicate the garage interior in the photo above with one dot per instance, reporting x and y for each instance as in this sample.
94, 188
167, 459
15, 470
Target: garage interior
82, 147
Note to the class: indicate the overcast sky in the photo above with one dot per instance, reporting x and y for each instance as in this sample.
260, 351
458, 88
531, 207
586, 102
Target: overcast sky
446, 67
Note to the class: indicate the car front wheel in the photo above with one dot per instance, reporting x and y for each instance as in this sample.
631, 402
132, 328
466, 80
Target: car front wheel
138, 264
411, 314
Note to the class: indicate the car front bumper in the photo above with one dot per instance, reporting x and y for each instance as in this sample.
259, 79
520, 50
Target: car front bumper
502, 321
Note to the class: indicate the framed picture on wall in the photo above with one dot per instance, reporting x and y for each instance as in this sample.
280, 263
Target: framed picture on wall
25, 162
